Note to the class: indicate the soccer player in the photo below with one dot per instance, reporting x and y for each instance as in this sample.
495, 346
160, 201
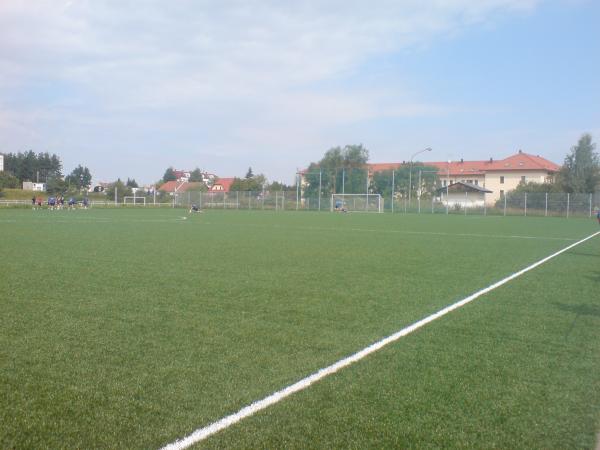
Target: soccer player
85, 202
71, 203
194, 208
598, 217
33, 202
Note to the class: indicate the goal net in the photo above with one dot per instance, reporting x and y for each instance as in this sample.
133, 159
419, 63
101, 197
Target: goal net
135, 201
356, 203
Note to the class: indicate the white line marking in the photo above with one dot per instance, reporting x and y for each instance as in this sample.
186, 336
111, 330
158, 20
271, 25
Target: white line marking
202, 433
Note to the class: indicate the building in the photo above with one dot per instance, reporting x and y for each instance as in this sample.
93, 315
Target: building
498, 177
180, 186
463, 195
30, 186
221, 185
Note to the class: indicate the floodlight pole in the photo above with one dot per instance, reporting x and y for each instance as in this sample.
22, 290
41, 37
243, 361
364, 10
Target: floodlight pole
343, 180
428, 149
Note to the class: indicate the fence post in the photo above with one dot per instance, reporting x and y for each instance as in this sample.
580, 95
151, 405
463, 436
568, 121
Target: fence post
393, 181
432, 211
297, 191
505, 205
590, 204
525, 203
320, 175
466, 201
546, 208
568, 203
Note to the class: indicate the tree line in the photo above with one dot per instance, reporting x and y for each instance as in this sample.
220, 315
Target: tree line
43, 168
345, 170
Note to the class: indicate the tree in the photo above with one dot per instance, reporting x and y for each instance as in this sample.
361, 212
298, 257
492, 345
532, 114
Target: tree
581, 169
121, 189
8, 181
169, 175
55, 184
131, 183
31, 167
249, 174
340, 169
277, 186
79, 178
254, 183
196, 176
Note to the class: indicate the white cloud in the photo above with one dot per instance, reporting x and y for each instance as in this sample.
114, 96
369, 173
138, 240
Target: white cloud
252, 64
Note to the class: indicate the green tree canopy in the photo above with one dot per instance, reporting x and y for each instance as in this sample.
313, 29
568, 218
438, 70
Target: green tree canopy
581, 169
9, 181
196, 176
169, 175
31, 167
121, 188
340, 170
131, 183
79, 178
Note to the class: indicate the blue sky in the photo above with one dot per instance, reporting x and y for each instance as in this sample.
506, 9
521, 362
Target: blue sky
128, 90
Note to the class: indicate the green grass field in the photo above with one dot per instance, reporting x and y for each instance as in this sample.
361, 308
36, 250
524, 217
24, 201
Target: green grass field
131, 328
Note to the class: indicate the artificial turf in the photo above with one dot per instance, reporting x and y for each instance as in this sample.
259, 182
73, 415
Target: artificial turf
133, 327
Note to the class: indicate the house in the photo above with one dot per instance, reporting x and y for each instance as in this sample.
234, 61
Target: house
463, 195
180, 186
498, 177
30, 186
182, 175
221, 185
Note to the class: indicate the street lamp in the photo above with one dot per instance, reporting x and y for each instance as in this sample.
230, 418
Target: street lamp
428, 149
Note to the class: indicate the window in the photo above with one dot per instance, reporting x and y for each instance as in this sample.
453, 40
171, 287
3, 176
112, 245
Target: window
470, 181
501, 180
476, 182
523, 179
444, 183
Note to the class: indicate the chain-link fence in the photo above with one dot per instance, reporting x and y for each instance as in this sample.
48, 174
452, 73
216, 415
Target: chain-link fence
517, 203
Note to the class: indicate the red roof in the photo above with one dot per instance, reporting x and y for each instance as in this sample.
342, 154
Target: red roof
224, 183
178, 186
524, 161
519, 161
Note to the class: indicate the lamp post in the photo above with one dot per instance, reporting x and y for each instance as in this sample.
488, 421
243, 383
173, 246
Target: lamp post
447, 184
428, 149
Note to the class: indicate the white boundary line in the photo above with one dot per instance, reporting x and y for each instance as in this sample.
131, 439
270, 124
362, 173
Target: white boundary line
204, 432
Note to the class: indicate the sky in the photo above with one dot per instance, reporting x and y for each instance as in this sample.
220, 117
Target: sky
129, 88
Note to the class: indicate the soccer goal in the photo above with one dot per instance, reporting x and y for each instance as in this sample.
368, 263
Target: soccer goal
356, 203
135, 201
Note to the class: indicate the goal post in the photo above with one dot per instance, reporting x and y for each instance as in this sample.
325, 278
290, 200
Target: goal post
135, 201
370, 203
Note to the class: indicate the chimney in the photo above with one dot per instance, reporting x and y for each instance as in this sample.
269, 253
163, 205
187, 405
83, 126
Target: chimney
520, 151
461, 160
491, 160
